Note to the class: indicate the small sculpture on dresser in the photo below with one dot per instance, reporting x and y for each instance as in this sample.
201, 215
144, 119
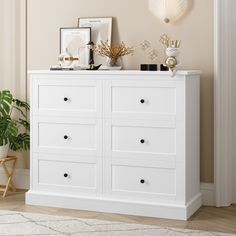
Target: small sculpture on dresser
172, 52
152, 55
92, 47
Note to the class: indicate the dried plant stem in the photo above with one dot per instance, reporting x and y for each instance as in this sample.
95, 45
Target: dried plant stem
113, 52
166, 41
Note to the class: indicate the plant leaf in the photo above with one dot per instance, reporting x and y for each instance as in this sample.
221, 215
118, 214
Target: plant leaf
5, 102
8, 129
24, 123
11, 122
20, 142
21, 104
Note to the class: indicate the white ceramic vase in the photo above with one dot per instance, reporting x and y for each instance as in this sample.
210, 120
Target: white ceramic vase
4, 151
172, 52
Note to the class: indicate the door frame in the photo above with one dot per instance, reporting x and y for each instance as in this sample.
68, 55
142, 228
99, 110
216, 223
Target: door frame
222, 104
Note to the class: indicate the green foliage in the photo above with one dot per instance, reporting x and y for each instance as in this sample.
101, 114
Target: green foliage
5, 102
21, 141
14, 129
8, 129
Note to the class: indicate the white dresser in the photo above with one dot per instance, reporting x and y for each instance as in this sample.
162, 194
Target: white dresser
116, 141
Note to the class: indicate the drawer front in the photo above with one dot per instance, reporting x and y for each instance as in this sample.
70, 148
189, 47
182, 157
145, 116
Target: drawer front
67, 175
64, 98
152, 100
148, 182
154, 139
68, 136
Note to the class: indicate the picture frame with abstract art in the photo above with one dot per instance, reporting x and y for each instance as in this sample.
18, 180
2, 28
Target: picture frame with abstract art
74, 41
101, 30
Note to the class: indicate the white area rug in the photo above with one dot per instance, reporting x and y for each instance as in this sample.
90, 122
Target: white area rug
27, 224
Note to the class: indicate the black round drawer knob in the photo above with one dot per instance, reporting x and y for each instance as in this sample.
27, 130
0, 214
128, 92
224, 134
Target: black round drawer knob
142, 101
142, 181
142, 141
66, 137
66, 175
66, 99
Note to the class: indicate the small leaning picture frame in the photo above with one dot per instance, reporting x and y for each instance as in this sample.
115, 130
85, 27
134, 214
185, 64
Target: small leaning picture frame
101, 30
74, 41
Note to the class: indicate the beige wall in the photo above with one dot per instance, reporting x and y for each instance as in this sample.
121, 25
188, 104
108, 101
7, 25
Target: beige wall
133, 23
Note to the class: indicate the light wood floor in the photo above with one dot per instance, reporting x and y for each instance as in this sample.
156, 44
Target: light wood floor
207, 218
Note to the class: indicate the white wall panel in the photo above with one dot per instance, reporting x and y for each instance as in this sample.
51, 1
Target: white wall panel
13, 52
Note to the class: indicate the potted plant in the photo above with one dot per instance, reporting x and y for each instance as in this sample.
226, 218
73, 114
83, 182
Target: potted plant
14, 127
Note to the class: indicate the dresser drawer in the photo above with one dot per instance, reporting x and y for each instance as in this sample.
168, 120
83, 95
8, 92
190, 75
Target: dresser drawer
140, 181
67, 98
60, 174
136, 99
67, 136
144, 139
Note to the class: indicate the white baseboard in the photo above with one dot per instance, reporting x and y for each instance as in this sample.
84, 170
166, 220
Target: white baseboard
113, 205
22, 181
208, 194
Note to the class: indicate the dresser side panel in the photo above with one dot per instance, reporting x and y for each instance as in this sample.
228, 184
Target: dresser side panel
192, 137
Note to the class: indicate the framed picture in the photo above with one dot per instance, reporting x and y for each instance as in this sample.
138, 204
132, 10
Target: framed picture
74, 41
101, 30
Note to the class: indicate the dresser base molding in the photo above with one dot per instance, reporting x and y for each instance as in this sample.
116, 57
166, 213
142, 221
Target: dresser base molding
169, 211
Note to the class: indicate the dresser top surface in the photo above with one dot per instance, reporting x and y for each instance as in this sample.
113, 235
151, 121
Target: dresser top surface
113, 72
